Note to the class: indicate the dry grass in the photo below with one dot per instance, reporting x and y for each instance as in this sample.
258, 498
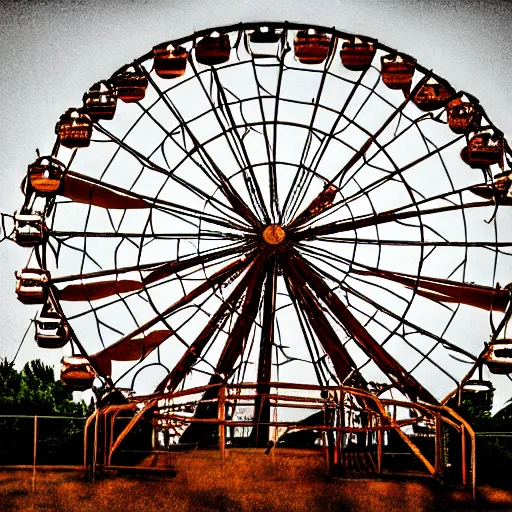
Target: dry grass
246, 482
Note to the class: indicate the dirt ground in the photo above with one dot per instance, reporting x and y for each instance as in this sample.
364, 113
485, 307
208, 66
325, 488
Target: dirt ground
70, 491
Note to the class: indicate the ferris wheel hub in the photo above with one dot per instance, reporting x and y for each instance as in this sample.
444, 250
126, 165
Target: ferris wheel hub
274, 234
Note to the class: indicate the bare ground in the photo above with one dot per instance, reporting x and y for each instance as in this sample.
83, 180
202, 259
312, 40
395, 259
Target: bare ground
240, 484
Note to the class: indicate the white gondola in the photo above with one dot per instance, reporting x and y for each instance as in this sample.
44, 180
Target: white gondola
52, 331
28, 229
77, 373
498, 357
32, 285
479, 393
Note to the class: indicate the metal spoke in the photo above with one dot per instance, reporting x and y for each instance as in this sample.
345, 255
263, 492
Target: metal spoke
398, 375
264, 377
228, 307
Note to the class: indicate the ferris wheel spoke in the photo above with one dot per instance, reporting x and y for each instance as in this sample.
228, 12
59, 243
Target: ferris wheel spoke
224, 185
393, 174
272, 172
331, 344
97, 290
170, 268
381, 218
227, 308
322, 202
372, 138
273, 169
88, 190
486, 244
253, 186
301, 180
399, 317
142, 159
188, 156
137, 349
236, 344
123, 345
446, 290
204, 234
239, 334
264, 373
156, 266
394, 370
320, 152
436, 289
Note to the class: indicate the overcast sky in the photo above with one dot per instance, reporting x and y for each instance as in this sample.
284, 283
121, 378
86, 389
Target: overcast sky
53, 51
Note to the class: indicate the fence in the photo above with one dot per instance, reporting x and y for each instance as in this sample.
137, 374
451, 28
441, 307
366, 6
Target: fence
494, 453
41, 441
58, 441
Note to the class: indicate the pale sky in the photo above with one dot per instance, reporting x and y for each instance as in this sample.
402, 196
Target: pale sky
53, 51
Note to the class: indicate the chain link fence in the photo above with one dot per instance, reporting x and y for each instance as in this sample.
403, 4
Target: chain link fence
41, 440
58, 441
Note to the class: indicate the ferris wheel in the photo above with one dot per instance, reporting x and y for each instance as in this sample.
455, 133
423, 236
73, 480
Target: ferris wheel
272, 202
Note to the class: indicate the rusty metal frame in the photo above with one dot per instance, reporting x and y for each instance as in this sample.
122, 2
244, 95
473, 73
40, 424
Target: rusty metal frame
381, 420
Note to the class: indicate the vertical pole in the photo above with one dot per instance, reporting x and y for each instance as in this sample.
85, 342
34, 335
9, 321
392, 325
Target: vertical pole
154, 438
337, 434
342, 431
380, 435
326, 449
112, 423
34, 461
261, 401
222, 422
274, 439
463, 455
439, 445
85, 445
104, 439
473, 465
95, 451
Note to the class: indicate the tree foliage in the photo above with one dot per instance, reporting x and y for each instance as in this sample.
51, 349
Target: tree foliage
34, 391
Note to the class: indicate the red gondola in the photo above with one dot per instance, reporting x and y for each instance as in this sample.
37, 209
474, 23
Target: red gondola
170, 62
74, 128
499, 189
432, 95
213, 49
130, 85
357, 55
311, 47
100, 101
77, 373
483, 150
45, 175
463, 116
498, 356
397, 71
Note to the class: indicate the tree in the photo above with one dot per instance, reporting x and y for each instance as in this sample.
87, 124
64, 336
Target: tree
34, 391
